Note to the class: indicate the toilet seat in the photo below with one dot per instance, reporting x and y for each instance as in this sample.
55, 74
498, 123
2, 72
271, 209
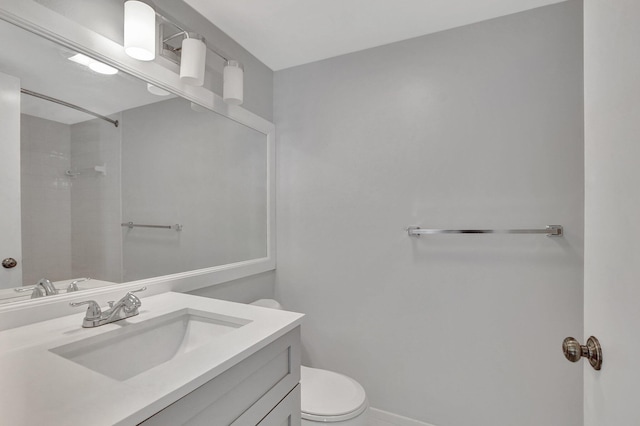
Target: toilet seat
330, 397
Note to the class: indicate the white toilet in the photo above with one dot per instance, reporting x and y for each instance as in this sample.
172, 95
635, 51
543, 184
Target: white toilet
328, 397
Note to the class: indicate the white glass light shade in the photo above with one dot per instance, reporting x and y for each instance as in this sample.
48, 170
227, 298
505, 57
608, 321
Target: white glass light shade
139, 30
156, 90
192, 61
233, 86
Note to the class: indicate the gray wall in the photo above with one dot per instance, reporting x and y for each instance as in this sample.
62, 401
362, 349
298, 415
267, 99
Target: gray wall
106, 18
244, 290
479, 126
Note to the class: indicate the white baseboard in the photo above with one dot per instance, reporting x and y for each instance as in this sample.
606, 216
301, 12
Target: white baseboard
384, 418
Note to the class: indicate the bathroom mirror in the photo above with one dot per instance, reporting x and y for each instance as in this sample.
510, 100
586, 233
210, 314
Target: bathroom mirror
158, 185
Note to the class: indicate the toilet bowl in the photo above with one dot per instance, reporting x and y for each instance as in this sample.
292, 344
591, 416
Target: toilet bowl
327, 396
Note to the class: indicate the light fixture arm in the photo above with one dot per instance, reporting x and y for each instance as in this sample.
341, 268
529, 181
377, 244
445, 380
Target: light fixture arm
169, 21
182, 33
185, 33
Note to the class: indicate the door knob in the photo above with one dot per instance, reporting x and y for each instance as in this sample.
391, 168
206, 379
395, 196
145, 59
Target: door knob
9, 263
573, 351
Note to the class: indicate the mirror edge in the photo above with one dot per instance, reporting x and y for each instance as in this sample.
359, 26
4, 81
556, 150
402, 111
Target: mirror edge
48, 24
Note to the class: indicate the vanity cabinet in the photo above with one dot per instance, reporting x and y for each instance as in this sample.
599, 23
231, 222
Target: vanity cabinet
287, 412
261, 389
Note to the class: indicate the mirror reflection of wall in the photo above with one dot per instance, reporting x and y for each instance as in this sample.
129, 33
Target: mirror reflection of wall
165, 164
201, 171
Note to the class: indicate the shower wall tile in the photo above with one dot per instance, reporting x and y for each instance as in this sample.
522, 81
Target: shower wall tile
46, 196
96, 202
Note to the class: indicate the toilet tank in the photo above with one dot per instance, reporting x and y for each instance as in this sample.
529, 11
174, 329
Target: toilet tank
267, 303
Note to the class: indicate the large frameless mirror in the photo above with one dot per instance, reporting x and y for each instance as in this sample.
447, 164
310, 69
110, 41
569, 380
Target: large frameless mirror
121, 180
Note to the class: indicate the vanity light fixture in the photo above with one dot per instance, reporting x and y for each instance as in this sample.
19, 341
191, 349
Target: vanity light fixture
193, 58
233, 86
192, 55
93, 65
193, 62
140, 41
139, 30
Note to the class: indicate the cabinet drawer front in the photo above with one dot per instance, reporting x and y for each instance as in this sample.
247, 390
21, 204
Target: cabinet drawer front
287, 412
248, 390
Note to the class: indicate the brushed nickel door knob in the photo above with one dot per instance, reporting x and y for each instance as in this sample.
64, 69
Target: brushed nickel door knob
9, 263
573, 351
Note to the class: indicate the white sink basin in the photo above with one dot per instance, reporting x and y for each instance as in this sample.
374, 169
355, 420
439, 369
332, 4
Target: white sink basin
135, 348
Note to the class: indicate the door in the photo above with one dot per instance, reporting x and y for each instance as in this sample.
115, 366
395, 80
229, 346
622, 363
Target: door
10, 223
612, 210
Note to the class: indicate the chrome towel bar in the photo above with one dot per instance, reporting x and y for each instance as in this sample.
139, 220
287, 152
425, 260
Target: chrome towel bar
132, 225
549, 231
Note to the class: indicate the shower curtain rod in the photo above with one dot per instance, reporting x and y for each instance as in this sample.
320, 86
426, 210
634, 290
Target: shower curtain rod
68, 105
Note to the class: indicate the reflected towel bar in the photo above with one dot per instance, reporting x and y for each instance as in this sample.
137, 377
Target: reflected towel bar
132, 225
549, 231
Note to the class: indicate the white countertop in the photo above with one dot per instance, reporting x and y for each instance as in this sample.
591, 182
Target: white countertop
40, 387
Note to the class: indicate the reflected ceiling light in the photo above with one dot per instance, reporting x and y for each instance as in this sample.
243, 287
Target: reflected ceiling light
81, 59
192, 61
233, 86
101, 68
156, 90
94, 65
139, 30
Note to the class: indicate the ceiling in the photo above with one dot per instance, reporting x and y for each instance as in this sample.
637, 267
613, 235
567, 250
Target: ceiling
286, 33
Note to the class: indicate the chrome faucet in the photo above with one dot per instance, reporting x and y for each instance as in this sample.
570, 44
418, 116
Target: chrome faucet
44, 287
123, 308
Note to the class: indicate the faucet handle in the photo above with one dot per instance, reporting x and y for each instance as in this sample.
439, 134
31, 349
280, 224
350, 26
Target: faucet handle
73, 285
93, 310
133, 301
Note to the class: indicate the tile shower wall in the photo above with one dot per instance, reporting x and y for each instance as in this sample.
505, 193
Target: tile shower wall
46, 196
480, 126
70, 225
96, 236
